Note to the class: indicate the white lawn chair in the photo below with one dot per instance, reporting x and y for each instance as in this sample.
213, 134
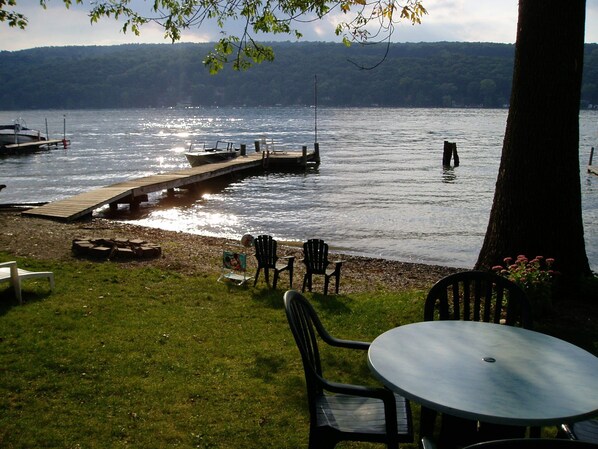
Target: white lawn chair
10, 273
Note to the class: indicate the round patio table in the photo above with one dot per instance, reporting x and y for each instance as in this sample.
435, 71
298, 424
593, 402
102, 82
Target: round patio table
488, 372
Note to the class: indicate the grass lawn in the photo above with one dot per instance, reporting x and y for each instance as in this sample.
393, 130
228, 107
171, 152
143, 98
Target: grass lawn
137, 357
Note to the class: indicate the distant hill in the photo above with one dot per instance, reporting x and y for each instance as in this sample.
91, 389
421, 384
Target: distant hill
413, 75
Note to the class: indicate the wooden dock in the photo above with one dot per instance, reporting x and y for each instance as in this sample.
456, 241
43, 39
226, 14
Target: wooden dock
135, 191
27, 147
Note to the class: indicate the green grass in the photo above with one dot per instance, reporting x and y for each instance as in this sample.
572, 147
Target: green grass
143, 358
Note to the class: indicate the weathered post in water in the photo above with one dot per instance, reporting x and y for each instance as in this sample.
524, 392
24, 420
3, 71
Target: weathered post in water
450, 151
591, 156
455, 155
304, 155
317, 152
257, 146
243, 149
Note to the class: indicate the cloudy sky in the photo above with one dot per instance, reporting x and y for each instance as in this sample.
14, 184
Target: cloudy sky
448, 20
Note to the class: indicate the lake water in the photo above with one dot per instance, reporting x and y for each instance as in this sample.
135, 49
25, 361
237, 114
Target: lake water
381, 190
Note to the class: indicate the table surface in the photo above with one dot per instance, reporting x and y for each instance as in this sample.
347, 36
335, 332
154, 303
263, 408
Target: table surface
488, 372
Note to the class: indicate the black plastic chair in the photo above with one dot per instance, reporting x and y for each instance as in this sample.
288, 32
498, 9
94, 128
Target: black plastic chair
533, 443
586, 431
478, 296
474, 296
352, 412
265, 253
315, 258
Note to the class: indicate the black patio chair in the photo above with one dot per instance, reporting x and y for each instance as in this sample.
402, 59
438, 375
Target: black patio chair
478, 296
315, 258
267, 259
351, 412
474, 296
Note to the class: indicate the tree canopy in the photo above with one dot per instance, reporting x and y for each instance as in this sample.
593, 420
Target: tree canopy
367, 20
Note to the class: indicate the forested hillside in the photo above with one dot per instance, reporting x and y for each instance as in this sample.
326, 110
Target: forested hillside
414, 75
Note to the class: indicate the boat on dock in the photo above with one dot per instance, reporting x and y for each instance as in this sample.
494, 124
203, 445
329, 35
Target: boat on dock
17, 133
17, 139
222, 151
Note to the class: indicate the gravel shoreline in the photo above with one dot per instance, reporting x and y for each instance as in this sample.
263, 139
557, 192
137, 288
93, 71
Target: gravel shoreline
38, 238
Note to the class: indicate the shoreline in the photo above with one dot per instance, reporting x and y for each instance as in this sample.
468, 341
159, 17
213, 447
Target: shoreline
192, 254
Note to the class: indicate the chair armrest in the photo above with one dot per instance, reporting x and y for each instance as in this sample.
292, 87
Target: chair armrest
8, 264
568, 432
350, 344
427, 443
14, 271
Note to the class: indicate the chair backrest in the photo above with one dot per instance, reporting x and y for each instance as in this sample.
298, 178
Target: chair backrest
533, 443
315, 256
306, 326
234, 261
265, 250
478, 296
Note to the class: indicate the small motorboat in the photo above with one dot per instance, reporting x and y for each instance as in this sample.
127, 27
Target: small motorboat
222, 151
19, 133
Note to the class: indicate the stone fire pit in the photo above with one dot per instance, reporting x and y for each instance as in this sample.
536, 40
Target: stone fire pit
115, 249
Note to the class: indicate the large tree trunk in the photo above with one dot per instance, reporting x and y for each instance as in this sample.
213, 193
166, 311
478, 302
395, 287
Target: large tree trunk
537, 202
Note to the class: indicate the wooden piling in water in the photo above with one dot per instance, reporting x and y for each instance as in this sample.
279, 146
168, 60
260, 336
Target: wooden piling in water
450, 152
592, 168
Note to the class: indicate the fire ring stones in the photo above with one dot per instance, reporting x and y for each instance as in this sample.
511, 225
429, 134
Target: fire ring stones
115, 249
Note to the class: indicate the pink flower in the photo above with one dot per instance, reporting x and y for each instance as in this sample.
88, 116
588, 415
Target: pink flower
508, 260
497, 268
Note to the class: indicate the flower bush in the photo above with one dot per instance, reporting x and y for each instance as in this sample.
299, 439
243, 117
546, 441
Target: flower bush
534, 276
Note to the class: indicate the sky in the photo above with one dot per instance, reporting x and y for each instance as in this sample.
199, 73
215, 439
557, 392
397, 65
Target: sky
447, 20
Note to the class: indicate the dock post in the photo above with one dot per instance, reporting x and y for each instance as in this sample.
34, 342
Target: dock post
446, 155
257, 146
591, 156
455, 155
243, 149
304, 155
450, 150
317, 152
